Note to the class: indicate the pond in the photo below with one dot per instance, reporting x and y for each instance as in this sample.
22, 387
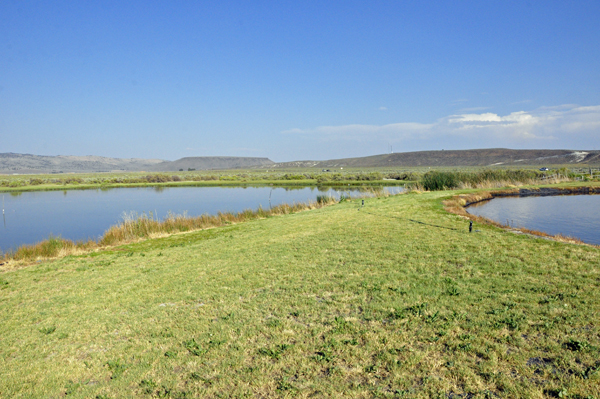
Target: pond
569, 215
30, 217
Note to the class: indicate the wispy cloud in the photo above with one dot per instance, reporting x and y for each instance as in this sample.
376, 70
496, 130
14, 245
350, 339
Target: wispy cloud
365, 132
383, 108
561, 125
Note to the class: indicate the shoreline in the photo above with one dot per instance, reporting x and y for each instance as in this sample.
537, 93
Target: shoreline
273, 183
457, 205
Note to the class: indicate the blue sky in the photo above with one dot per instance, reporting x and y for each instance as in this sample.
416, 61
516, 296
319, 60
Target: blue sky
296, 80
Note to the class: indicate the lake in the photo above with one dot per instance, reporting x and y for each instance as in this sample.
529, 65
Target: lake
569, 215
30, 217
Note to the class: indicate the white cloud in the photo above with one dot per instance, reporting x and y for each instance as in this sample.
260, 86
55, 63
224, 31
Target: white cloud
564, 126
383, 108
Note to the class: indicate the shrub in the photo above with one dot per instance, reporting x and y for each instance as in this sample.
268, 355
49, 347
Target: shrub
293, 177
157, 179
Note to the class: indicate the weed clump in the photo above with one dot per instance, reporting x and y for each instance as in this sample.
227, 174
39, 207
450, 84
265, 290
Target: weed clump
116, 367
325, 199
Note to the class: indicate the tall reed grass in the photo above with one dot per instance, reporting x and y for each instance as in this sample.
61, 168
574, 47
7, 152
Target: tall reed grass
135, 227
492, 178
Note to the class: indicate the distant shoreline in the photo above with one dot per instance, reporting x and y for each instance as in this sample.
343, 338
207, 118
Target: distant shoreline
274, 183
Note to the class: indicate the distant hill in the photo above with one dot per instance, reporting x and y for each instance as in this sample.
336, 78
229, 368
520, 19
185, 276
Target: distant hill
28, 163
483, 157
204, 163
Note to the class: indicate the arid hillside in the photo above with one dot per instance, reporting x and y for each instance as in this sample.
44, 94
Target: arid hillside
27, 163
482, 157
204, 163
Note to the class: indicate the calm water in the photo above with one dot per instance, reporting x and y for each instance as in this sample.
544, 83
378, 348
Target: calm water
31, 217
569, 215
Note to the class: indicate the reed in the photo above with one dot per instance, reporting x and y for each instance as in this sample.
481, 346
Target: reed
53, 247
486, 179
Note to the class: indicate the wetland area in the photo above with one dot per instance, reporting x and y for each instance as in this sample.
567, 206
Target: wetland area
30, 217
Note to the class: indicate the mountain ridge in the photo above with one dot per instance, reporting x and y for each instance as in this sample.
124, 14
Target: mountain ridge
476, 157
30, 164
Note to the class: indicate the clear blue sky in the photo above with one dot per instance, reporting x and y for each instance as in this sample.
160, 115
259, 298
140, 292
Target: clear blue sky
296, 80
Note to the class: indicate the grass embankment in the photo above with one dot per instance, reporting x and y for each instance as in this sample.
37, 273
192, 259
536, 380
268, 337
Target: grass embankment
396, 299
136, 228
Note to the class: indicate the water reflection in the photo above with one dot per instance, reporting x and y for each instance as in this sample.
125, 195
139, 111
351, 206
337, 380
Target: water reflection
569, 215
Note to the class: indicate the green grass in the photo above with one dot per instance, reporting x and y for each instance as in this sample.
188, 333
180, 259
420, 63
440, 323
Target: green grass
393, 299
135, 227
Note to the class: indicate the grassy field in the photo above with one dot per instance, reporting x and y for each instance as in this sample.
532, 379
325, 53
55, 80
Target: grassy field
393, 299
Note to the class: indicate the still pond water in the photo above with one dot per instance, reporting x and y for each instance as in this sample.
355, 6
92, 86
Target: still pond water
30, 217
569, 215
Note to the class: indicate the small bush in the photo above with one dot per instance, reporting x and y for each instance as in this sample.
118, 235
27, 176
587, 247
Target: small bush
293, 177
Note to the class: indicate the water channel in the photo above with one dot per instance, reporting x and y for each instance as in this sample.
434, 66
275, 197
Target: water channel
569, 215
30, 217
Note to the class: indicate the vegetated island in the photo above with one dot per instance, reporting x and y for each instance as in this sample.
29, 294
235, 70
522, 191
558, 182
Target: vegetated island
394, 298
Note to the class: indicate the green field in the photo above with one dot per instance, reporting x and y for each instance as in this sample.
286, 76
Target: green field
393, 299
